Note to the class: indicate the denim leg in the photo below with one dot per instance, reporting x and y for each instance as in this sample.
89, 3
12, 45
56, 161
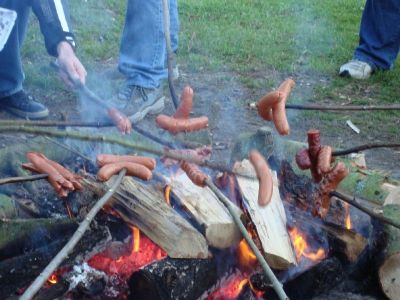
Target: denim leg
174, 21
379, 34
11, 73
143, 51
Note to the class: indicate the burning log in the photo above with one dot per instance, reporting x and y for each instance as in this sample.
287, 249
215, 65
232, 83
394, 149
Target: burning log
319, 279
219, 228
345, 242
269, 221
143, 206
173, 279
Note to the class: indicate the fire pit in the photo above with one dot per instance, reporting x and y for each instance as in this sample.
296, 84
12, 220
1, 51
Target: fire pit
170, 239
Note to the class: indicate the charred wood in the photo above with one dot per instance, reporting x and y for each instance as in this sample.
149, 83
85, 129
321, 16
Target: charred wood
20, 236
17, 272
315, 281
173, 279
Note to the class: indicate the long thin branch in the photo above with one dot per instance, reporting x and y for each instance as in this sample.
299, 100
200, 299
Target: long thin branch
125, 143
236, 218
341, 107
83, 226
353, 201
136, 128
365, 147
170, 53
22, 178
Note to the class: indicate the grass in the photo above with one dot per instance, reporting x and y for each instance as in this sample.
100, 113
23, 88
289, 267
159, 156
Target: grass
251, 38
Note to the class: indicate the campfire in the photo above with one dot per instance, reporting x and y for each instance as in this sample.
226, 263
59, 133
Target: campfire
168, 230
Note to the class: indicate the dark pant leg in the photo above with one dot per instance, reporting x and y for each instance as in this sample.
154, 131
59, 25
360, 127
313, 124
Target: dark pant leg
379, 33
11, 73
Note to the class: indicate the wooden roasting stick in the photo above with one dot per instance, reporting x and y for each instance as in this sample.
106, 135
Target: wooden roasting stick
202, 180
120, 120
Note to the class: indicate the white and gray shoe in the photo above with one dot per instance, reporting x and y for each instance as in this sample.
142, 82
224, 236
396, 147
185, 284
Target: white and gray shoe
137, 102
356, 69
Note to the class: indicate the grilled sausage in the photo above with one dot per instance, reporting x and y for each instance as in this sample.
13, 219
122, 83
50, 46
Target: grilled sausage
175, 126
133, 169
329, 184
303, 159
103, 159
264, 177
185, 106
266, 104
194, 173
324, 160
279, 111
57, 181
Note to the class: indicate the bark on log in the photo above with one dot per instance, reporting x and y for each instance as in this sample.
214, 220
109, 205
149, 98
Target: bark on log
173, 279
144, 206
269, 221
219, 228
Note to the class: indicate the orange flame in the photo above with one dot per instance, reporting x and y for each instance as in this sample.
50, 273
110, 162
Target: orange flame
247, 259
52, 279
347, 220
136, 239
167, 194
231, 290
301, 247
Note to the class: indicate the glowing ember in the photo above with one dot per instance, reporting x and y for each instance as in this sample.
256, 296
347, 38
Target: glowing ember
126, 265
52, 279
167, 194
347, 220
302, 249
230, 290
247, 259
136, 239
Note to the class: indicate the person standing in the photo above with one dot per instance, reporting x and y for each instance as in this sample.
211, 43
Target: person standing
143, 55
379, 40
59, 40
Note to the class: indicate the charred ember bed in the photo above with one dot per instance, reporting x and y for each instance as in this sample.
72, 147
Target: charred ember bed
166, 231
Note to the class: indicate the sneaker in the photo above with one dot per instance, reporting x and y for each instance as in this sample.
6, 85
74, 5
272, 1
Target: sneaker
23, 105
356, 69
136, 102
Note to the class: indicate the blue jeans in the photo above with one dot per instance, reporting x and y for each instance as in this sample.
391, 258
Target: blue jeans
379, 34
11, 73
143, 49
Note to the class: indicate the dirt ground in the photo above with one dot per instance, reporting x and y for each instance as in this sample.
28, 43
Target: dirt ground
222, 97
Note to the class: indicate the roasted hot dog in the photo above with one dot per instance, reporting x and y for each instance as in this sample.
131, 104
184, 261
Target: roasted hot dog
57, 181
194, 173
103, 159
175, 126
324, 160
185, 106
266, 104
133, 169
264, 177
303, 159
279, 112
329, 184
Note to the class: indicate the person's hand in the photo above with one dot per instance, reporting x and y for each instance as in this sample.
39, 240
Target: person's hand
70, 68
